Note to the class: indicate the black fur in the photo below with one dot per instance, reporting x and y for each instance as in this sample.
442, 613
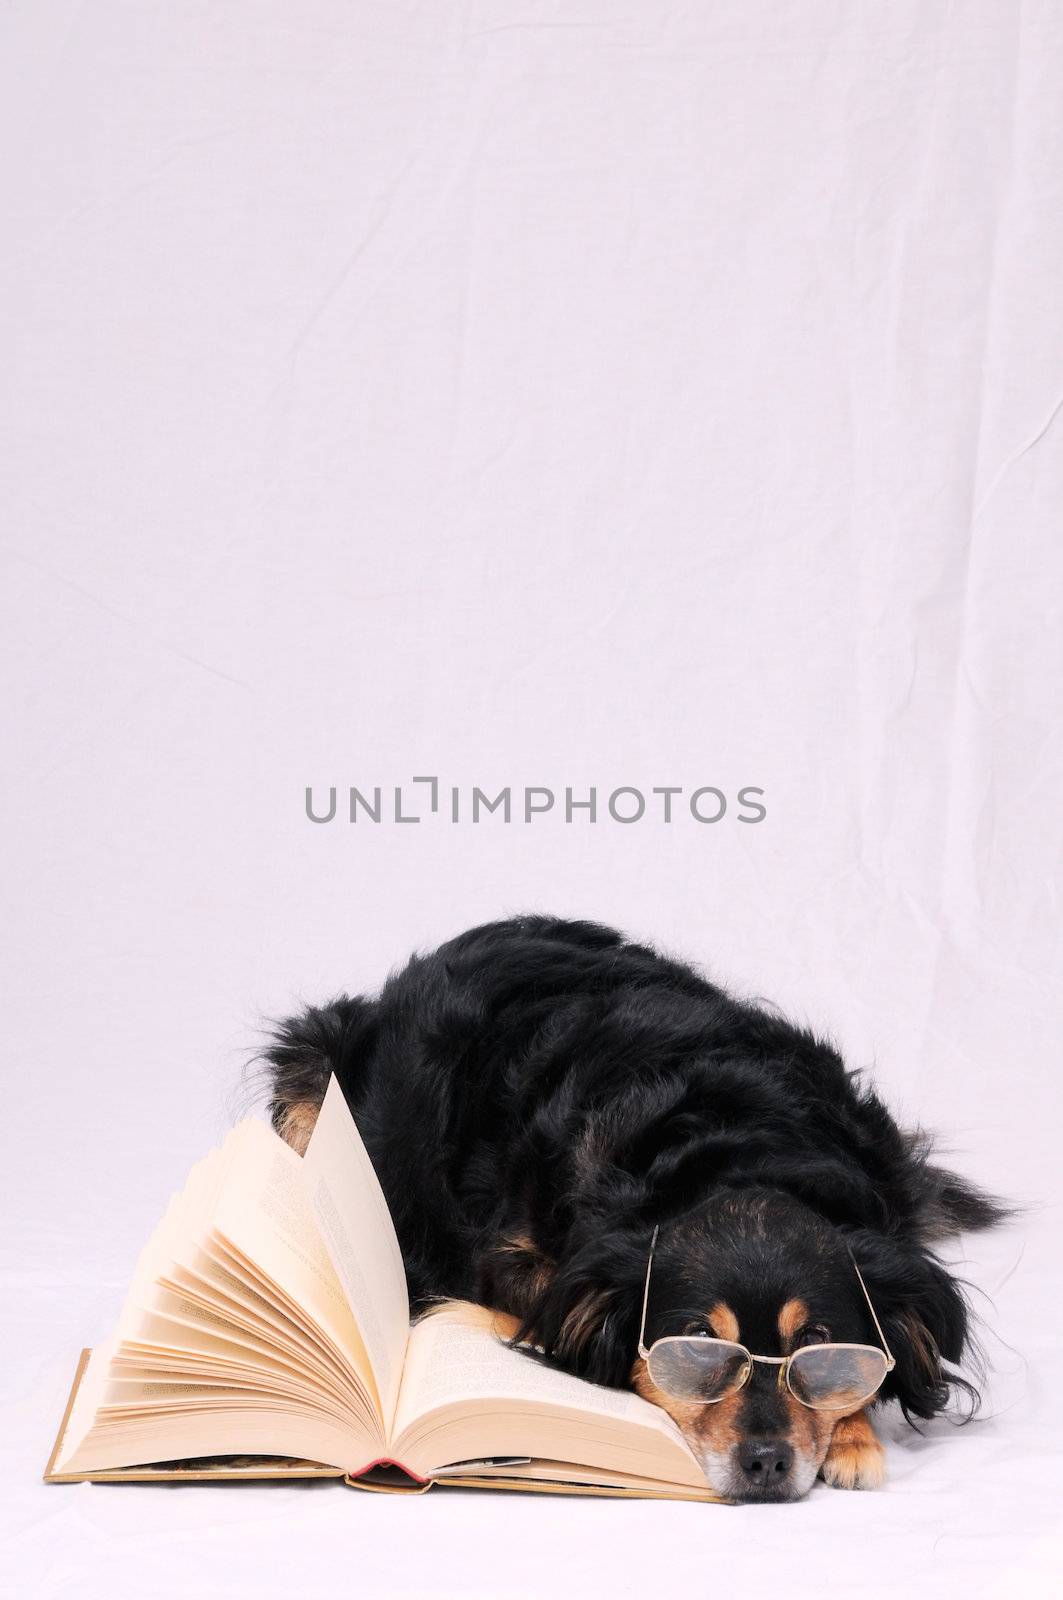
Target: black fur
537, 1094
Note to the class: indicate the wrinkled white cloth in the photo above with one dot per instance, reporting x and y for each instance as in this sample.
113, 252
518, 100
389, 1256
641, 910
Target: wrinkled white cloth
588, 394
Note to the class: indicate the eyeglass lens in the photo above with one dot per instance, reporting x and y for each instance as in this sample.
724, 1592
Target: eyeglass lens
697, 1369
834, 1377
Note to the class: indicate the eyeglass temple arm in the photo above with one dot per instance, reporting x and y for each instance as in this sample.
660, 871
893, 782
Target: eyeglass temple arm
643, 1352
891, 1363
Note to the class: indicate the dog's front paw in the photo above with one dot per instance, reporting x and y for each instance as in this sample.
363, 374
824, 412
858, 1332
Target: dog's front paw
855, 1459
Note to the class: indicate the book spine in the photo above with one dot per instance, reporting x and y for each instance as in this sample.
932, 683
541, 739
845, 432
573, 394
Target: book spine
387, 1473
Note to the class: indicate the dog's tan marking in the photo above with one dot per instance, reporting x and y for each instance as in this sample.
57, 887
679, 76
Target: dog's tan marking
583, 1321
536, 1268
712, 1428
470, 1315
723, 1321
297, 1124
855, 1459
503, 1326
808, 1431
515, 1275
792, 1319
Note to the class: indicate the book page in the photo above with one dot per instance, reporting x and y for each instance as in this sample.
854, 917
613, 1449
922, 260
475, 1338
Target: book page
454, 1355
195, 1376
263, 1213
100, 1438
522, 1472
466, 1393
359, 1235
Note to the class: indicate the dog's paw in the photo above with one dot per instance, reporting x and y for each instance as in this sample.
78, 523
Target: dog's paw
855, 1459
503, 1326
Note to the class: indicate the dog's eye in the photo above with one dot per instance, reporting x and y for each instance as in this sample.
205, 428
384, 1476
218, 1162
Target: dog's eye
814, 1333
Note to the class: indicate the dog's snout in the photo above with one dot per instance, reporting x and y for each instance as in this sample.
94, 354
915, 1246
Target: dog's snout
765, 1463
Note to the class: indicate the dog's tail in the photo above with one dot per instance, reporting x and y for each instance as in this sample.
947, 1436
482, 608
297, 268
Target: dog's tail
302, 1054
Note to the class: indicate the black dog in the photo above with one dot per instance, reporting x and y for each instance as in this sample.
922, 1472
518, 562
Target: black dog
538, 1095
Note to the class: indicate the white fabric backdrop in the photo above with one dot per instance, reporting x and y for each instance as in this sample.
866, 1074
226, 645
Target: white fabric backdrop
601, 392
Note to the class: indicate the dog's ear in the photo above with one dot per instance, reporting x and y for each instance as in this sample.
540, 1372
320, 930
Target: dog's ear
949, 1205
925, 1318
586, 1319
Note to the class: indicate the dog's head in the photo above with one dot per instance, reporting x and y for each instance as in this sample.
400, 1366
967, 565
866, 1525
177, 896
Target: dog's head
759, 1267
763, 1270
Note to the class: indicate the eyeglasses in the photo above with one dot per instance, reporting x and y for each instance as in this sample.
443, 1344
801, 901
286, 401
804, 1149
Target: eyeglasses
825, 1377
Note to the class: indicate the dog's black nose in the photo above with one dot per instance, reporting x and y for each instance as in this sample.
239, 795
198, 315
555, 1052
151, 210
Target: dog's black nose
765, 1464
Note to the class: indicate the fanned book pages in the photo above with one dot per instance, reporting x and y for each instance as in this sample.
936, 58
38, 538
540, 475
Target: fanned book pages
267, 1334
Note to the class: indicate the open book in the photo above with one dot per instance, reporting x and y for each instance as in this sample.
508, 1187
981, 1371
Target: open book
267, 1334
